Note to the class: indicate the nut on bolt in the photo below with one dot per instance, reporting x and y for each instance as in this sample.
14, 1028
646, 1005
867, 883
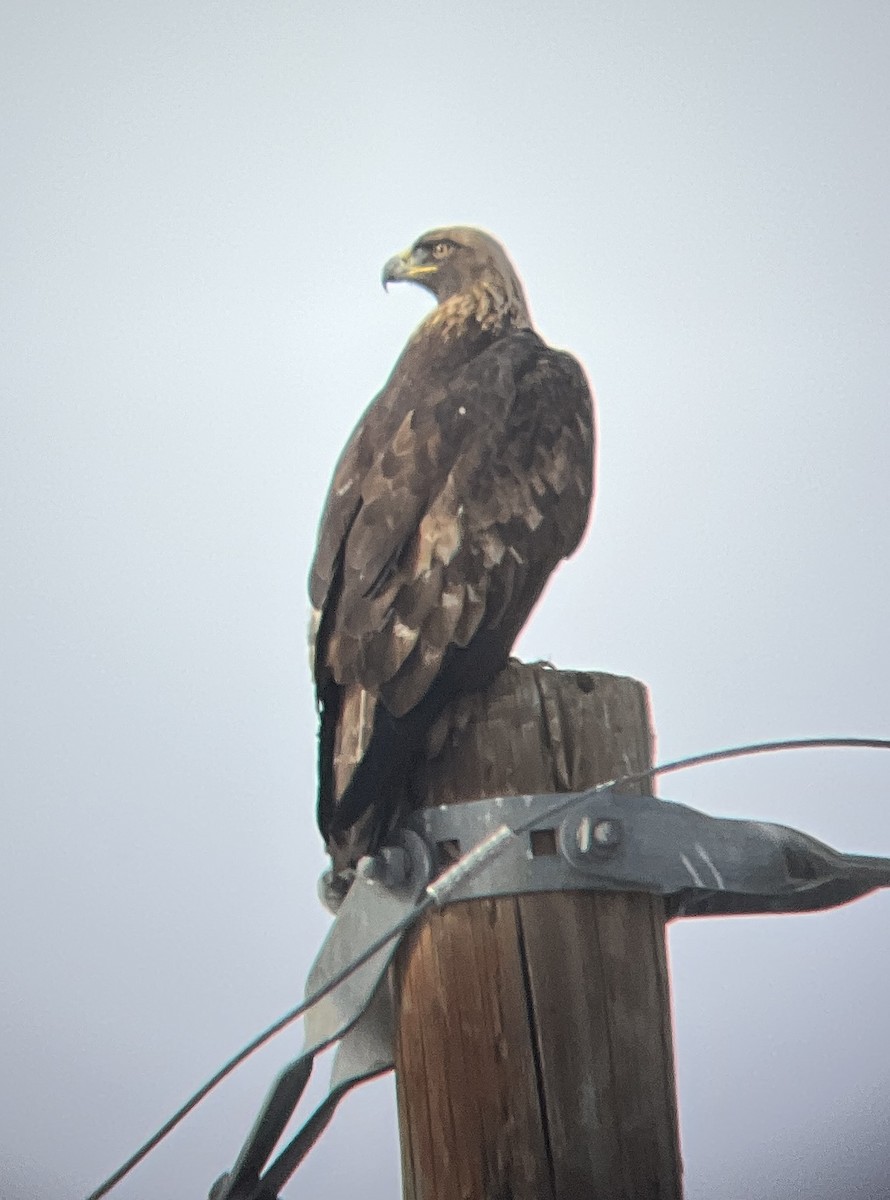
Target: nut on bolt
390, 866
597, 835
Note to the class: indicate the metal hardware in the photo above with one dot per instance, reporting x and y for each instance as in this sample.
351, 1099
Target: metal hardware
702, 865
599, 841
357, 1012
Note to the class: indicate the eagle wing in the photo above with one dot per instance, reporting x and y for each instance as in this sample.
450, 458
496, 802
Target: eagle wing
447, 514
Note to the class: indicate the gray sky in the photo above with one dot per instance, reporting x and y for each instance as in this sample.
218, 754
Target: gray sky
197, 203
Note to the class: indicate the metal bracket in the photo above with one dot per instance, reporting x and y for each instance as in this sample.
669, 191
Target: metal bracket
357, 1012
599, 841
604, 841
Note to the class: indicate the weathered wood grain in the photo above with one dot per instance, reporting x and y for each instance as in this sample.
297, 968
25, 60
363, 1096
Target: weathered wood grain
534, 1055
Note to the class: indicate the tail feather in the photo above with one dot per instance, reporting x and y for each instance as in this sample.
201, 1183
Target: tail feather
376, 795
367, 756
365, 760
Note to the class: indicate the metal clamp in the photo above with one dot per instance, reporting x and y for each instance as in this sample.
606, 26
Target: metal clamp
357, 1012
586, 841
605, 841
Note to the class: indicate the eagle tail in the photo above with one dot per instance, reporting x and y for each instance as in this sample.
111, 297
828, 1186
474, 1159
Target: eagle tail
365, 760
367, 755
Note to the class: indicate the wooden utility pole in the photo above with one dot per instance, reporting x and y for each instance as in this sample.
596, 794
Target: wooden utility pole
534, 1055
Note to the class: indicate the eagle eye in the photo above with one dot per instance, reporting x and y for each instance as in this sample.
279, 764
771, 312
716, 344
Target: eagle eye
442, 249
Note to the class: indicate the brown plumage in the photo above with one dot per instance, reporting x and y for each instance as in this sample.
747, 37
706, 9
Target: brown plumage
467, 480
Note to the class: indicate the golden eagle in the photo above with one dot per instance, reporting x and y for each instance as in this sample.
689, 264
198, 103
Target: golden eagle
467, 480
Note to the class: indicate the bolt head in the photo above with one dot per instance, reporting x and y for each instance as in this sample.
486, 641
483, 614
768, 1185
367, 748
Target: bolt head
369, 867
332, 889
595, 836
390, 866
606, 834
397, 865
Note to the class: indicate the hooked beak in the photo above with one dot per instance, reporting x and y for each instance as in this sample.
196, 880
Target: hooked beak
405, 266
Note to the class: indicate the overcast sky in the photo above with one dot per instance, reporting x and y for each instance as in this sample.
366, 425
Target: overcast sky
197, 201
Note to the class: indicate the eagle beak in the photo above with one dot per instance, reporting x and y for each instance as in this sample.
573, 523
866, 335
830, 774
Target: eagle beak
405, 266
395, 269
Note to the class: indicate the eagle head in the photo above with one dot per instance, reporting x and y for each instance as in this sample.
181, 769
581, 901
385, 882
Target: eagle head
463, 267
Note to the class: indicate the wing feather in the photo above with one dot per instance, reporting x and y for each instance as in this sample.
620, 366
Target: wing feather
446, 519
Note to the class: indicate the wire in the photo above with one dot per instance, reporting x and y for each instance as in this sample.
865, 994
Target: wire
258, 1041
712, 756
439, 888
489, 848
